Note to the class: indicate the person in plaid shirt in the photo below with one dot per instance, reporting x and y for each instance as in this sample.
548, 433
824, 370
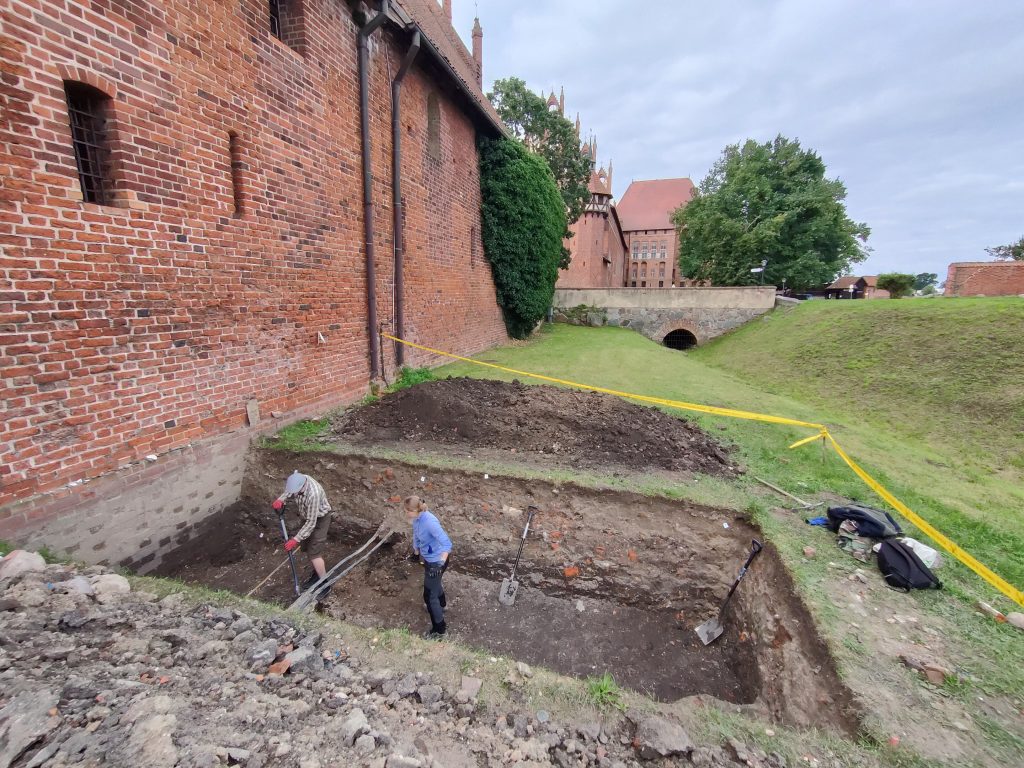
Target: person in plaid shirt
315, 509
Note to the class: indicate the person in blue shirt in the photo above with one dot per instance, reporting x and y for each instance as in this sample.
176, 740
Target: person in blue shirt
432, 546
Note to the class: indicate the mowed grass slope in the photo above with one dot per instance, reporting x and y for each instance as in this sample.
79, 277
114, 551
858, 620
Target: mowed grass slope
946, 371
983, 511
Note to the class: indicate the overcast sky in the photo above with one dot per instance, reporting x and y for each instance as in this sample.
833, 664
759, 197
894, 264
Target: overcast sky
918, 107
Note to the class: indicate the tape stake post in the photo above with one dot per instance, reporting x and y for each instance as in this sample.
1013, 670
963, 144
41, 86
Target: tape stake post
822, 434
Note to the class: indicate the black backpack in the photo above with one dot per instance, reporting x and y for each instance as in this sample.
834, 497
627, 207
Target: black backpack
871, 522
903, 569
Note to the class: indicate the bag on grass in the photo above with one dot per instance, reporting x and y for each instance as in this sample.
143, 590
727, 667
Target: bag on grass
903, 569
855, 546
870, 522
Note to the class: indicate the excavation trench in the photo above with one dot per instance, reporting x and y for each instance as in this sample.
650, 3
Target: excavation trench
611, 581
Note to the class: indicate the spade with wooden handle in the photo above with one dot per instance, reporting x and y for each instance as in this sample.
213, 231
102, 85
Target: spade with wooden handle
509, 586
712, 629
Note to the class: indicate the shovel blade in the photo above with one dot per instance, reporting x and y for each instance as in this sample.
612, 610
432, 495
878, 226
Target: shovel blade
509, 589
710, 631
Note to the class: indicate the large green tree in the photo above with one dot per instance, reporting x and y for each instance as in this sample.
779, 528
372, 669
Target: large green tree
925, 280
768, 202
1013, 251
523, 225
550, 135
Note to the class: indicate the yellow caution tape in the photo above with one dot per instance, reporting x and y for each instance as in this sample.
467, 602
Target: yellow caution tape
823, 434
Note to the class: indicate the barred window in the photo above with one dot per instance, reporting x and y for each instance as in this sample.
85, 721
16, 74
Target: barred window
88, 110
275, 18
287, 23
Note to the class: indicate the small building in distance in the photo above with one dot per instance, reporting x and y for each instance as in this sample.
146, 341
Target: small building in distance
865, 287
985, 278
646, 215
597, 247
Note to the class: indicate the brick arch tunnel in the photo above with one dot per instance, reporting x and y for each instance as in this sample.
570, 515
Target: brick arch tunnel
679, 338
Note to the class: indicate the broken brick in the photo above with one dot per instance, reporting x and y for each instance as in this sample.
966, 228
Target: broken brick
279, 667
571, 572
631, 554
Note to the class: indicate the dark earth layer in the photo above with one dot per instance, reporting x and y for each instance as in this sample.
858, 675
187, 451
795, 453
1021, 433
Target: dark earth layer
649, 571
580, 428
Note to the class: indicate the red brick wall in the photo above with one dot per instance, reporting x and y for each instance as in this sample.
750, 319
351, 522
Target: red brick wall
140, 328
653, 266
985, 278
595, 236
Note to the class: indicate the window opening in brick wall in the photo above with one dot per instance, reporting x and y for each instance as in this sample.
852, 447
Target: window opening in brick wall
287, 23
433, 127
235, 153
88, 110
275, 18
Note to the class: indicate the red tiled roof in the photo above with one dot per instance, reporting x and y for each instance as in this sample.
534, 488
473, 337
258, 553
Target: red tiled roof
649, 204
433, 23
844, 282
871, 281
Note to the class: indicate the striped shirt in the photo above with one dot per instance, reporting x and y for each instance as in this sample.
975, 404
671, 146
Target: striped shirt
312, 503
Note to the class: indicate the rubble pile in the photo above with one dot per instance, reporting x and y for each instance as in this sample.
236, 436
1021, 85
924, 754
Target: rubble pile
94, 673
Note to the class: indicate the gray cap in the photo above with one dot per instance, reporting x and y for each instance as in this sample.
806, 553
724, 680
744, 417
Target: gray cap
294, 483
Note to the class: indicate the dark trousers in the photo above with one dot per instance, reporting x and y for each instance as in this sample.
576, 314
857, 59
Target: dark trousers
433, 595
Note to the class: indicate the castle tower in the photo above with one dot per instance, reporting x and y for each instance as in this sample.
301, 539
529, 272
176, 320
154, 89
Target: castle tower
561, 102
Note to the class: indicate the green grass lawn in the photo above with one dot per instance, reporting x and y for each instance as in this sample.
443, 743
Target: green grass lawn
980, 510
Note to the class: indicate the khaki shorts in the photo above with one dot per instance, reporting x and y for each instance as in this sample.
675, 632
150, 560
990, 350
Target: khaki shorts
314, 545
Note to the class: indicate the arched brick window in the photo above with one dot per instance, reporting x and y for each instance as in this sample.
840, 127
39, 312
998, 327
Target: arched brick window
89, 111
433, 127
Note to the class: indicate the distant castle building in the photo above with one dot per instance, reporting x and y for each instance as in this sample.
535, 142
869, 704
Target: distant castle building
646, 213
629, 244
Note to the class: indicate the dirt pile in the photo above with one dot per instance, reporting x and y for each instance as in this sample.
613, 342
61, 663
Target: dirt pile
93, 673
579, 428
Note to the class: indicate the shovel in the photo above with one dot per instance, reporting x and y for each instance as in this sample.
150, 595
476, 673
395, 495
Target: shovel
712, 629
291, 557
509, 586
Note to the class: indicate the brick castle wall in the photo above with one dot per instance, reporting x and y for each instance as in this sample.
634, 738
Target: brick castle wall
595, 236
144, 327
985, 278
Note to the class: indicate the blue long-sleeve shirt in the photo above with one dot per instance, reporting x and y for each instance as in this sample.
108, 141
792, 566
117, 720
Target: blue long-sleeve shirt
429, 538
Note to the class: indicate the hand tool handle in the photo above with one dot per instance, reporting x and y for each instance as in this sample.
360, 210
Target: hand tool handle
291, 557
522, 542
755, 548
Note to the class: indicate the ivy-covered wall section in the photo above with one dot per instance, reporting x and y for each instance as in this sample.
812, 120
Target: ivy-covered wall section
523, 224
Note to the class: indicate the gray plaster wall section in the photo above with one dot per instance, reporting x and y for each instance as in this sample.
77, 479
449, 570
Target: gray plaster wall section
704, 312
132, 517
746, 297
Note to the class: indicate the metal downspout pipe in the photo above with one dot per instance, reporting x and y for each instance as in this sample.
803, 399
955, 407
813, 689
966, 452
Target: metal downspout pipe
365, 31
396, 187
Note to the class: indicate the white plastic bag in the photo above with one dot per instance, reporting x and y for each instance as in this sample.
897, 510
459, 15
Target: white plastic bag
929, 556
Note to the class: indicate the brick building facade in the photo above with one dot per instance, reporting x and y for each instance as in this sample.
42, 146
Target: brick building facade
985, 278
597, 247
646, 212
210, 255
